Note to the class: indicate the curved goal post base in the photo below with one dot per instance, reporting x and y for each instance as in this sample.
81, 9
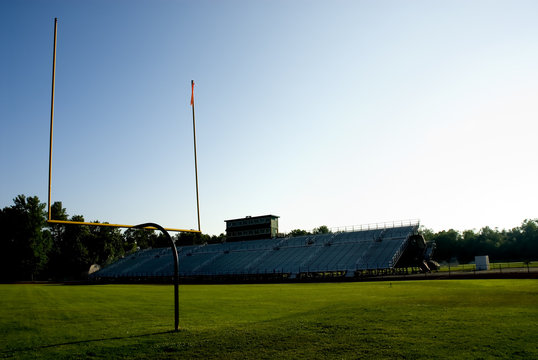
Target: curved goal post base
176, 266
149, 226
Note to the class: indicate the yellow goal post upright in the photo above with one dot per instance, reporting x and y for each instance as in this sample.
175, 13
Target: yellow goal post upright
49, 202
148, 225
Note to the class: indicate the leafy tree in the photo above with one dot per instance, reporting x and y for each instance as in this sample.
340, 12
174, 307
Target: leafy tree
24, 244
74, 255
214, 239
139, 238
529, 240
469, 247
187, 238
517, 244
447, 244
298, 232
428, 234
489, 242
57, 212
321, 230
58, 239
105, 245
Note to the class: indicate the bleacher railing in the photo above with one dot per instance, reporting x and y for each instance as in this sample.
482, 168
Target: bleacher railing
399, 252
377, 226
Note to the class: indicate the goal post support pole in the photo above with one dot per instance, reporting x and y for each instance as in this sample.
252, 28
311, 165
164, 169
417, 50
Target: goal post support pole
176, 267
52, 115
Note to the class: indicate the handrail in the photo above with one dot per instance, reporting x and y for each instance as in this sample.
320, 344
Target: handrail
375, 226
398, 254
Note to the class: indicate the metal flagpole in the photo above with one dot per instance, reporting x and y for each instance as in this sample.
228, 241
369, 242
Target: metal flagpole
195, 158
52, 115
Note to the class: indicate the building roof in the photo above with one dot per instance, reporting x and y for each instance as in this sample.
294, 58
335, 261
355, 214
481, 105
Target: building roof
253, 217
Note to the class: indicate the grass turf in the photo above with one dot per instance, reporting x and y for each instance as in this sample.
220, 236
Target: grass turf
448, 319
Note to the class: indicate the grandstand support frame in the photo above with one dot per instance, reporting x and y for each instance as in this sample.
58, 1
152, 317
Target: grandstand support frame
176, 268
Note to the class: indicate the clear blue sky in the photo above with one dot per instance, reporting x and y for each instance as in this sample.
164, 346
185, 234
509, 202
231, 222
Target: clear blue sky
322, 112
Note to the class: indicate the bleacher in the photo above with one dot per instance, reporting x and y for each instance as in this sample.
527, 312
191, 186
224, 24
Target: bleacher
341, 252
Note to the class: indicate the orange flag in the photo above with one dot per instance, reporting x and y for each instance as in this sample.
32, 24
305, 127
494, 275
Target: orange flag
192, 93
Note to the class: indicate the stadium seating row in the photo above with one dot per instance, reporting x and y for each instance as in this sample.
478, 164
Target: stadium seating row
343, 252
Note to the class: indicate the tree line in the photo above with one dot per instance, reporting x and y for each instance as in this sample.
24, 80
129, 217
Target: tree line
451, 246
32, 249
517, 244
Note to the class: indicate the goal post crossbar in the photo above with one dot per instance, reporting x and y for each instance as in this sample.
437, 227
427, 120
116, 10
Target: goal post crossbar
49, 202
69, 222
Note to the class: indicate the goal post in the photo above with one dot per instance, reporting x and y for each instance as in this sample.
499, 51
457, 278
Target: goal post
49, 193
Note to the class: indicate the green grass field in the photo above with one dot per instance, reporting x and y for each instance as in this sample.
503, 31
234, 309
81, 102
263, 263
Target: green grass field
440, 319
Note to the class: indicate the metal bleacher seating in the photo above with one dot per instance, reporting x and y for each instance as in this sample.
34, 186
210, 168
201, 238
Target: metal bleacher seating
349, 251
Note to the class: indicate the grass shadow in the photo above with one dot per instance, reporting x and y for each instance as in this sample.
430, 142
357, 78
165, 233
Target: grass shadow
35, 348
